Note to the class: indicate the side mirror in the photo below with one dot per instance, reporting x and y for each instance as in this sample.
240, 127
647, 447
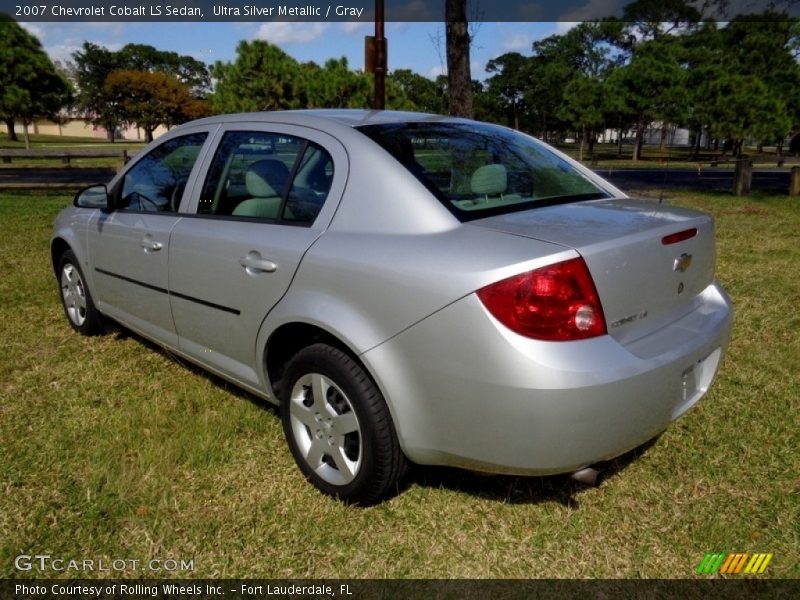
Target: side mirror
94, 196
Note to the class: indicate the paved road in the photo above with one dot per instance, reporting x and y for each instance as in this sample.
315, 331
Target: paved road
625, 179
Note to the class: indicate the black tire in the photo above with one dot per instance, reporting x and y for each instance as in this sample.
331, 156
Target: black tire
76, 299
373, 463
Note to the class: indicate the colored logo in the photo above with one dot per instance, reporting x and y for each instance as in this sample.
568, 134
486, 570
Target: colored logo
729, 564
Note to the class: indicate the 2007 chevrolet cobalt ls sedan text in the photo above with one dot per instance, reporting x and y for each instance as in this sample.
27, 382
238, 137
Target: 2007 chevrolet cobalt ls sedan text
406, 287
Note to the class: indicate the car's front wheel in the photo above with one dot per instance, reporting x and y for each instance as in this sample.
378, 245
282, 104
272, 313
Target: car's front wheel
338, 426
75, 297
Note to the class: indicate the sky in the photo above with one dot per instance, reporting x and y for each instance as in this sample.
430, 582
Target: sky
416, 46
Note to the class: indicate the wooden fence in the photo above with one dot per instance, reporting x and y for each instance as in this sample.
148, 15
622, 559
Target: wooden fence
7, 154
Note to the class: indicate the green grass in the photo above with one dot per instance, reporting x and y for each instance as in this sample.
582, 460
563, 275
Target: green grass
111, 448
66, 142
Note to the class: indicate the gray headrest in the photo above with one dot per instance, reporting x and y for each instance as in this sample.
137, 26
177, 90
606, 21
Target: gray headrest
489, 180
266, 178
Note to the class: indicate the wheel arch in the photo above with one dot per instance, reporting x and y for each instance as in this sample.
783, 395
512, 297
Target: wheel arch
289, 339
57, 249
292, 336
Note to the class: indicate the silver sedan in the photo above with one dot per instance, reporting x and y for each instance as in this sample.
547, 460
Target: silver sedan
407, 288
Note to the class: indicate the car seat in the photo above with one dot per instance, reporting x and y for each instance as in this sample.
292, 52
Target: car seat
265, 181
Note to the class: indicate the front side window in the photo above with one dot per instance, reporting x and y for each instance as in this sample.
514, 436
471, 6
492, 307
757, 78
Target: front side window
267, 176
478, 170
157, 181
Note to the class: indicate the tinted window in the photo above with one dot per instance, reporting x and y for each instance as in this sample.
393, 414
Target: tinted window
267, 176
477, 169
157, 181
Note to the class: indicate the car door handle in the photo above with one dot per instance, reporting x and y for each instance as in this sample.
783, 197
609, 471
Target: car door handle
150, 245
253, 263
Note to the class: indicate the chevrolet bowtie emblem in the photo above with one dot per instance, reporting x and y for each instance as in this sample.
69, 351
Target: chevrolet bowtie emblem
683, 262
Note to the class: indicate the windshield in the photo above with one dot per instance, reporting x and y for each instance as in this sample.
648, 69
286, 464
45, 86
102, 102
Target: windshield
478, 170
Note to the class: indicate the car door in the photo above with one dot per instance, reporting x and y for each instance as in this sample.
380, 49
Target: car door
129, 245
269, 193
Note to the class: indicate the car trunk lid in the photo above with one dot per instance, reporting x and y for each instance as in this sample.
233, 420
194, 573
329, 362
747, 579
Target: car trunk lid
649, 262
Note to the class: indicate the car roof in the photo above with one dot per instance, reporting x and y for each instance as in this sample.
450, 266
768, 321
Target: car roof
351, 117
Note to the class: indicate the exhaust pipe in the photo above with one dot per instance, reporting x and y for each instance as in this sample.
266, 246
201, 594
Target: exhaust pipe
588, 476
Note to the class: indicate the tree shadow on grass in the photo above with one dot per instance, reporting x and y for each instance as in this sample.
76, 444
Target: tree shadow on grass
513, 489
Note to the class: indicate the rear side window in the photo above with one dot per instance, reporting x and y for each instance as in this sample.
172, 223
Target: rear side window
478, 170
267, 176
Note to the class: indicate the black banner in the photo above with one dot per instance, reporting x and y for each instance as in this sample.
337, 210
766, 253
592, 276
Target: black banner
361, 589
364, 10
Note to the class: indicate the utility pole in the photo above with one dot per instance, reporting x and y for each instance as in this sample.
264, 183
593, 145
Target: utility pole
375, 59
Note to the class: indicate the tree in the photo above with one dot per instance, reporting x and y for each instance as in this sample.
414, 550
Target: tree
512, 77
584, 99
487, 105
335, 86
745, 107
459, 78
585, 52
423, 94
653, 19
152, 99
764, 47
263, 77
650, 86
187, 69
93, 64
743, 80
30, 87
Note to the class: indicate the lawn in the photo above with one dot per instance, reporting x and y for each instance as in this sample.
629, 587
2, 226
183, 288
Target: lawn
113, 449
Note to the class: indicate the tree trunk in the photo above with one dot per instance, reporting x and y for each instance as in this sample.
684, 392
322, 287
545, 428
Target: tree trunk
583, 141
619, 142
12, 135
26, 135
637, 147
663, 136
148, 135
516, 115
590, 141
698, 139
459, 78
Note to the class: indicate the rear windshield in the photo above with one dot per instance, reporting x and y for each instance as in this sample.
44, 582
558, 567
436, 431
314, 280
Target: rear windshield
478, 170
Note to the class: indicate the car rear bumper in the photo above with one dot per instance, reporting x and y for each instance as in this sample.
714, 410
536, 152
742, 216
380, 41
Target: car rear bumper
465, 391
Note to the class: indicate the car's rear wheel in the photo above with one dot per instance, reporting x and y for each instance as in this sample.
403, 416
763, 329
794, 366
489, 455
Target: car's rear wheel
338, 426
76, 298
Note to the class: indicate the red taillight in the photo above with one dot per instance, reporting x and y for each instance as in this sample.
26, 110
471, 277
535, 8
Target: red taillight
556, 303
674, 238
